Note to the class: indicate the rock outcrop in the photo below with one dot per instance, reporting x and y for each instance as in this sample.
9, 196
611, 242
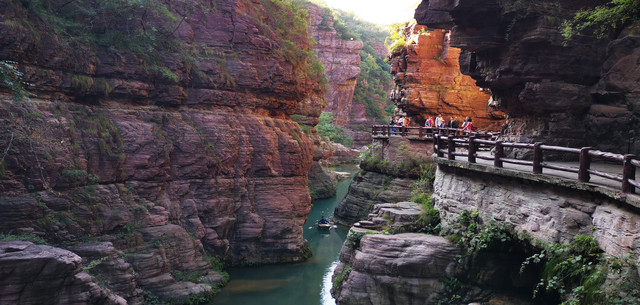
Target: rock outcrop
395, 269
389, 170
379, 267
341, 60
169, 167
578, 92
429, 82
39, 274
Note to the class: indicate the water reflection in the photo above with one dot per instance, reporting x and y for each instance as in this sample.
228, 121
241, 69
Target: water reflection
307, 283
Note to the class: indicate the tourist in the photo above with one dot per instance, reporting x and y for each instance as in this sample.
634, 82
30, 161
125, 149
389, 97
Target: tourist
454, 123
323, 220
439, 121
467, 125
428, 122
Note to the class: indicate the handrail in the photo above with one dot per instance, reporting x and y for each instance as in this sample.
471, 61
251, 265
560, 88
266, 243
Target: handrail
446, 145
386, 131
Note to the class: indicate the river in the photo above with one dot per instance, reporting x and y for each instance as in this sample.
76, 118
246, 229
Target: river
306, 283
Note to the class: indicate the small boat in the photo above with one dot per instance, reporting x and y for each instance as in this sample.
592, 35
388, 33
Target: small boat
324, 226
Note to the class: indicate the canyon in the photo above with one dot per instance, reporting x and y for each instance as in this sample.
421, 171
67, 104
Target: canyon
127, 178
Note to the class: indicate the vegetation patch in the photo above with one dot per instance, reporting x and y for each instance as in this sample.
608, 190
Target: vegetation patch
581, 274
24, 237
341, 277
603, 20
330, 132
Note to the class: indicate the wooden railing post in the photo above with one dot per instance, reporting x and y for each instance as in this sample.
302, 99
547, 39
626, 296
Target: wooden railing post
389, 128
451, 148
628, 172
537, 158
439, 152
472, 149
585, 164
498, 154
404, 131
420, 132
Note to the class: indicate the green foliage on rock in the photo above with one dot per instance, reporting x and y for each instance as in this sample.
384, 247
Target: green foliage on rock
341, 277
603, 19
143, 27
429, 221
582, 274
10, 78
370, 88
288, 18
330, 132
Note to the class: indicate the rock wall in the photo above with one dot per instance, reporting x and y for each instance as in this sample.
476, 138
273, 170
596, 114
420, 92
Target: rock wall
579, 92
387, 175
167, 171
341, 60
548, 209
428, 82
39, 274
383, 262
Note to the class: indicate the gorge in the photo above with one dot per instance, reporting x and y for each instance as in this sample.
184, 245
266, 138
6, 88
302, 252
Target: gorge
145, 146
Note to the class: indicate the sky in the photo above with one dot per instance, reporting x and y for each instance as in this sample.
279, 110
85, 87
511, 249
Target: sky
378, 11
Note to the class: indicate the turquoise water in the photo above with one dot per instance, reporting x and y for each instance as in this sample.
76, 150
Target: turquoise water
305, 283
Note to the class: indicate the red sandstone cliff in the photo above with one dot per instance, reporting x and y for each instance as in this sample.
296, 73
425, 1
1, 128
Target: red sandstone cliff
161, 169
341, 60
429, 82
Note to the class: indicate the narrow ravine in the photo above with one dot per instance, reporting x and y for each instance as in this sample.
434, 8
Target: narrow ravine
303, 283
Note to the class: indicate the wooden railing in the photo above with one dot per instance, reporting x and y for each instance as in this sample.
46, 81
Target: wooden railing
383, 131
446, 145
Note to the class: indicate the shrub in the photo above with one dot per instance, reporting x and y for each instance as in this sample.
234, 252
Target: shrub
603, 19
581, 270
10, 78
330, 132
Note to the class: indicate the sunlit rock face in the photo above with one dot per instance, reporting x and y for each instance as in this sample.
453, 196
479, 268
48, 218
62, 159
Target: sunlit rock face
162, 169
429, 82
577, 92
341, 60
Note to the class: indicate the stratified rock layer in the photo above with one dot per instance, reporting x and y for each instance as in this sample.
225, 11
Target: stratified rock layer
429, 82
580, 92
38, 274
395, 269
341, 60
166, 171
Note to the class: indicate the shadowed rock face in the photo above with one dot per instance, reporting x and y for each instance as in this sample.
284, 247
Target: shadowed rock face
578, 92
162, 169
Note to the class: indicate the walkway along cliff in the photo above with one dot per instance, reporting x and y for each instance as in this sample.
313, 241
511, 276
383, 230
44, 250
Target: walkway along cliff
494, 233
150, 168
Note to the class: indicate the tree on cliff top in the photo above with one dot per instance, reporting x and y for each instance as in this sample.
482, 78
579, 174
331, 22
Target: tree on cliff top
603, 19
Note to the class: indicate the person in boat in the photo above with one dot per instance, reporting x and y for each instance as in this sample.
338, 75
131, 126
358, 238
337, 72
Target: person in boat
323, 221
